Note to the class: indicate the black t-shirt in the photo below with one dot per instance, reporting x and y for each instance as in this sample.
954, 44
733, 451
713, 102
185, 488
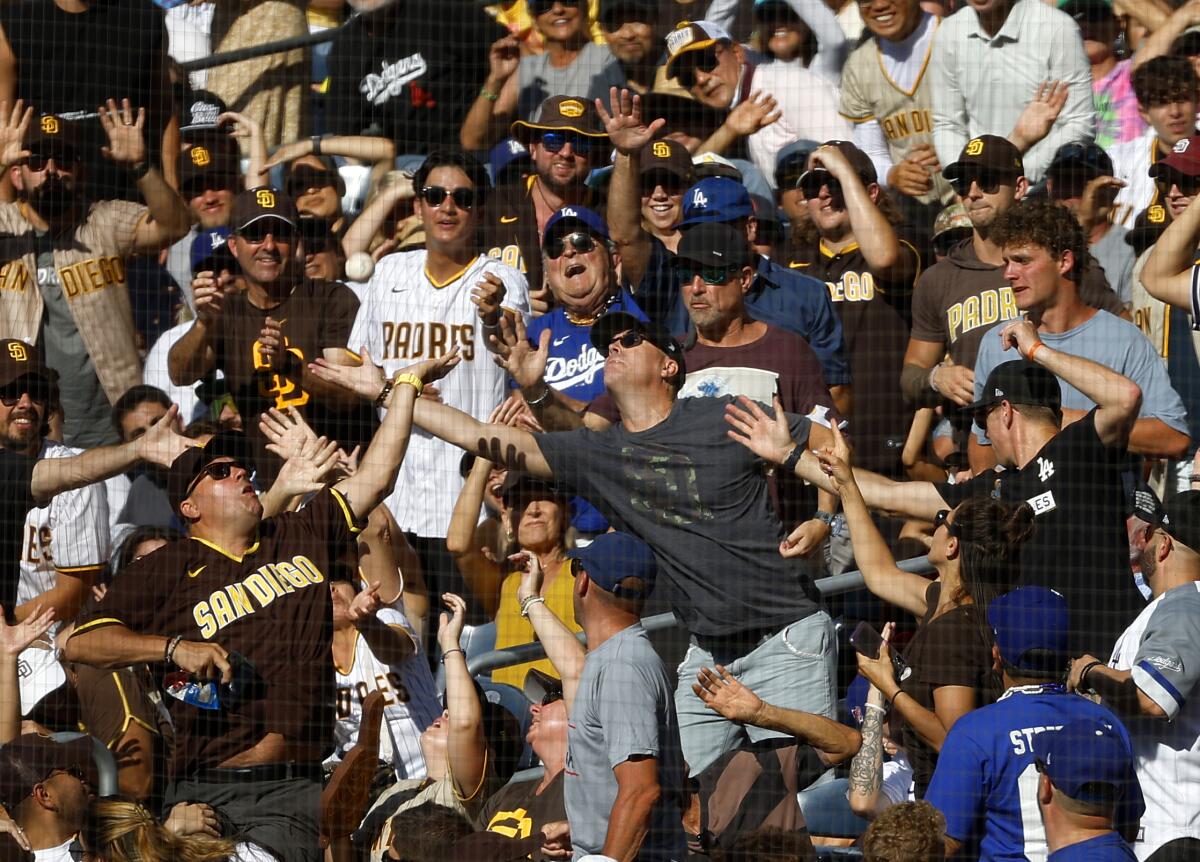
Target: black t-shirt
700, 500
1080, 546
16, 499
953, 649
516, 811
410, 72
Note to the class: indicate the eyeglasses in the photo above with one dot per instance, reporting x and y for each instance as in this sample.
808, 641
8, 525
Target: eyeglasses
704, 60
576, 563
989, 181
941, 520
1188, 185
671, 184
580, 241
687, 271
811, 183
38, 162
219, 471
540, 7
464, 196
300, 181
552, 696
38, 392
256, 233
555, 141
628, 339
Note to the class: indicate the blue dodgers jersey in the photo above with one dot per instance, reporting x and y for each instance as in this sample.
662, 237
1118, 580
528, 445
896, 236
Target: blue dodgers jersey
1109, 847
986, 781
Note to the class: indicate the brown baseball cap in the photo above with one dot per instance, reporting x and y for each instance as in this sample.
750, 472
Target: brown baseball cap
18, 359
50, 135
860, 161
669, 157
990, 152
213, 157
562, 113
1184, 158
260, 203
30, 759
186, 468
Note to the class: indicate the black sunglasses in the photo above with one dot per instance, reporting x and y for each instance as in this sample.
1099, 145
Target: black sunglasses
555, 141
464, 197
1188, 185
297, 183
811, 183
627, 339
704, 60
219, 471
257, 232
38, 162
671, 184
552, 696
37, 391
540, 7
580, 241
989, 181
686, 272
940, 520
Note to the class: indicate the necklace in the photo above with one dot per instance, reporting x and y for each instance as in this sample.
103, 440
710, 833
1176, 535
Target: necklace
589, 319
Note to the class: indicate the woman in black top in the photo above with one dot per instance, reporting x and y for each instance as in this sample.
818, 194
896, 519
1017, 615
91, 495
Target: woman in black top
975, 551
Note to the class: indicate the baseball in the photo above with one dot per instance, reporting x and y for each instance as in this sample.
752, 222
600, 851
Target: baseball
360, 266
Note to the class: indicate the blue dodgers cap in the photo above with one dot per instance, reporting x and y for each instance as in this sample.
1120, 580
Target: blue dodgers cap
1086, 759
612, 558
504, 154
573, 216
1027, 619
210, 246
715, 199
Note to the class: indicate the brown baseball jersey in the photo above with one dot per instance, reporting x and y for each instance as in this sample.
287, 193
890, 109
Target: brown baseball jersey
271, 604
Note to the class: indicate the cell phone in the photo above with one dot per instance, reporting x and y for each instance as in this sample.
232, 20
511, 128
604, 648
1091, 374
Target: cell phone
865, 640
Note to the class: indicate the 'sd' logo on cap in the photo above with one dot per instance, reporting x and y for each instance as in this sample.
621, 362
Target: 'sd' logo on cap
200, 156
18, 352
1156, 214
50, 125
1182, 145
680, 38
661, 150
975, 147
571, 108
265, 198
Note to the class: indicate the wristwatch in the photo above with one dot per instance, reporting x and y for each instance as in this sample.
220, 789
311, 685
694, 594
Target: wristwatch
793, 458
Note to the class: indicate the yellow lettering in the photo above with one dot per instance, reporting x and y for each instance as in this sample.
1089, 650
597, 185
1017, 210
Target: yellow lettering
309, 568
437, 339
902, 124
240, 601
466, 340
282, 588
203, 617
1008, 305
990, 306
388, 329
70, 285
92, 268
221, 610
260, 588
889, 128
954, 320
970, 313
836, 292
288, 571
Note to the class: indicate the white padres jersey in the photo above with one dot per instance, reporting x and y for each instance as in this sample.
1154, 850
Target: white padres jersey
1162, 650
409, 693
405, 318
1131, 163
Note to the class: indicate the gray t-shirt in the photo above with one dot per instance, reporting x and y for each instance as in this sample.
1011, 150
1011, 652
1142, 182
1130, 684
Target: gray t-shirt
84, 402
1115, 344
700, 500
625, 708
1116, 258
589, 76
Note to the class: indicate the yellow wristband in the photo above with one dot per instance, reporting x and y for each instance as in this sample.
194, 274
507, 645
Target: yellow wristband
410, 379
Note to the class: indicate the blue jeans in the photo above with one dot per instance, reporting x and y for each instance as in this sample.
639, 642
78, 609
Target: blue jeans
794, 668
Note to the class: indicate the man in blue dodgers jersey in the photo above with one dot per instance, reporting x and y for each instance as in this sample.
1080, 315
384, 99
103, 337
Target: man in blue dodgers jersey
1150, 681
986, 781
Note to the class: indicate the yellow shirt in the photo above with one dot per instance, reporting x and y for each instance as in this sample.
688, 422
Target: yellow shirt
512, 629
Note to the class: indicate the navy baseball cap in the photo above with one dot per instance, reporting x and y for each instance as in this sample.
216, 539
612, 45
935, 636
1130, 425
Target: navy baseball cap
210, 248
1086, 759
575, 216
612, 558
184, 470
715, 199
1017, 381
1028, 619
504, 154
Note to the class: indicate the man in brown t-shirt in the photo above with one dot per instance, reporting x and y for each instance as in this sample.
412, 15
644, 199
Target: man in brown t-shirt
262, 337
260, 589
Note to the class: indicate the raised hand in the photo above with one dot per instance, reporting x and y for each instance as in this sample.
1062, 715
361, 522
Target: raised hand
835, 460
430, 370
126, 133
914, 174
488, 296
14, 127
244, 126
307, 469
365, 604
161, 444
1021, 334
209, 291
1039, 115
503, 59
450, 625
287, 152
754, 114
768, 438
724, 695
286, 430
270, 344
956, 382
530, 568
365, 380
14, 639
625, 127
513, 353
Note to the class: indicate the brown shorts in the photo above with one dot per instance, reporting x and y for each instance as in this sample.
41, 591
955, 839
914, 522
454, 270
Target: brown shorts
111, 700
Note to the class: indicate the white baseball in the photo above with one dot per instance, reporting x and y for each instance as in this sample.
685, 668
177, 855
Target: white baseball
360, 266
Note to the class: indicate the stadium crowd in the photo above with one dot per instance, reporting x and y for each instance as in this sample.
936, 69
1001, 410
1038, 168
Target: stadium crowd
611, 430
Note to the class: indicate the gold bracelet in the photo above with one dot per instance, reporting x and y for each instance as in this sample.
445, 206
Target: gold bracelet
409, 379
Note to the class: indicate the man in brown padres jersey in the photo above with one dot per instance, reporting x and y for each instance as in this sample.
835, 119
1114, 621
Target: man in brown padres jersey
260, 588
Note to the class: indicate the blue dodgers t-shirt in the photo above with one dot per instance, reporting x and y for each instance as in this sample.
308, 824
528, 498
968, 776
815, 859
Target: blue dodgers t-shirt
1109, 847
576, 368
986, 780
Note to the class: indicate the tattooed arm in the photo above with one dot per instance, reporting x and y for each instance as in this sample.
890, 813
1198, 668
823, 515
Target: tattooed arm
866, 770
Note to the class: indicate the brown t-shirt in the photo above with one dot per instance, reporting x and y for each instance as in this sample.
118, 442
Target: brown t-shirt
873, 311
272, 605
952, 649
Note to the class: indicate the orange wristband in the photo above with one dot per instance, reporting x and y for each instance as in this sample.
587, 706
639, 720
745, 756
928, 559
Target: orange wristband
1033, 350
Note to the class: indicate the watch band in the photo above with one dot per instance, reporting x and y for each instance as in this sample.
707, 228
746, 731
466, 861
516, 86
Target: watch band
793, 458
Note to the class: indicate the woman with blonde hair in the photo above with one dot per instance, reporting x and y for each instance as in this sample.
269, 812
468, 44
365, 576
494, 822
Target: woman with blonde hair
120, 830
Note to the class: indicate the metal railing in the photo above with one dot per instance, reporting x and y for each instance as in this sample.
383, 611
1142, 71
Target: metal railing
834, 585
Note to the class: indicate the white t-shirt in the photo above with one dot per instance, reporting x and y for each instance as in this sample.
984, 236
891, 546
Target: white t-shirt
1131, 163
61, 853
405, 318
1161, 648
409, 693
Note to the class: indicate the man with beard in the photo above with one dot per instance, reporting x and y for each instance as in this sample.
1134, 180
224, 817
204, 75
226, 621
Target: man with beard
63, 282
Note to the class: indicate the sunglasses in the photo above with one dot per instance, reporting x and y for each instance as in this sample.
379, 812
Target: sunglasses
555, 141
940, 518
628, 339
687, 272
581, 242
38, 162
256, 233
1188, 185
552, 696
464, 197
811, 182
298, 183
989, 182
11, 394
670, 183
540, 7
220, 471
704, 60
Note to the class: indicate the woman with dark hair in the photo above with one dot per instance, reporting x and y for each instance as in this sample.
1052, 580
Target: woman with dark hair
947, 666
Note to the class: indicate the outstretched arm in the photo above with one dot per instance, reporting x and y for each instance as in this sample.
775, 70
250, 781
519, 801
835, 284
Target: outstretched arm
563, 649
1167, 274
466, 746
